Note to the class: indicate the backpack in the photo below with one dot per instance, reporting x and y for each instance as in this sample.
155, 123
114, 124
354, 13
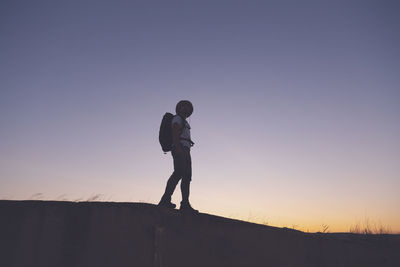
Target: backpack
165, 134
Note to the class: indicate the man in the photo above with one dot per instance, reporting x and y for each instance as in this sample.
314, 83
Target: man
181, 156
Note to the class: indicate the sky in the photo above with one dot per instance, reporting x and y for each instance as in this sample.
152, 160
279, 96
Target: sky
296, 105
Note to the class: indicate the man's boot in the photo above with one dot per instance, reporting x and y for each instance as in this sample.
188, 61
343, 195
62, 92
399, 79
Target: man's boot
166, 203
185, 207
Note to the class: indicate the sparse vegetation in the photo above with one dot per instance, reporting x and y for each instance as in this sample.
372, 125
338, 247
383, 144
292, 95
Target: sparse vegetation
325, 228
369, 228
94, 197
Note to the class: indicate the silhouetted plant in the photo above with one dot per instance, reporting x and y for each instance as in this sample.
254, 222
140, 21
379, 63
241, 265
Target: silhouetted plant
369, 228
94, 197
325, 228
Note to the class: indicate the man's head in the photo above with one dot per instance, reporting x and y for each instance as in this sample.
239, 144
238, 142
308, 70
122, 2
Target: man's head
184, 108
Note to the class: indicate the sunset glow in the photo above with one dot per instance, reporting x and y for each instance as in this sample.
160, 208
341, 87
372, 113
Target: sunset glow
296, 106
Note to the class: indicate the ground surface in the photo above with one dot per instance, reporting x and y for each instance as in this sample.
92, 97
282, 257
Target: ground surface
55, 233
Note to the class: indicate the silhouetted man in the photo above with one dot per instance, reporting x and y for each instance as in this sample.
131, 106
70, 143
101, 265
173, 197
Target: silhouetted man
181, 156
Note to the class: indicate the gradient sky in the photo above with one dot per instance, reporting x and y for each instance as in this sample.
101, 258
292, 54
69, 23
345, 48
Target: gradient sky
296, 105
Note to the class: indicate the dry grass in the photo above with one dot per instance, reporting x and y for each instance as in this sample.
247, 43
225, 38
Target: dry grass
325, 228
369, 228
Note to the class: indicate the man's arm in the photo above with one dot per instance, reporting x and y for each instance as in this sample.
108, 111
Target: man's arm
176, 138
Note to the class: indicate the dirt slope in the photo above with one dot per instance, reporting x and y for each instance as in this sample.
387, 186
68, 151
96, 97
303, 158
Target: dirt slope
51, 233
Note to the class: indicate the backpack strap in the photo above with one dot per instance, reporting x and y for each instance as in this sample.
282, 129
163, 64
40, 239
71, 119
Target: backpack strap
183, 122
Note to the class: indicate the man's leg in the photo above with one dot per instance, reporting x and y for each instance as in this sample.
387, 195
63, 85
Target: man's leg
174, 178
185, 185
186, 177
170, 188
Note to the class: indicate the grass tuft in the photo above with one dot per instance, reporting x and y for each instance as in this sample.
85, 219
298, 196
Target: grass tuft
369, 228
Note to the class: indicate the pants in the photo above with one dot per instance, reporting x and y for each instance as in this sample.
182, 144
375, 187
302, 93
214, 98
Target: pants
183, 172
